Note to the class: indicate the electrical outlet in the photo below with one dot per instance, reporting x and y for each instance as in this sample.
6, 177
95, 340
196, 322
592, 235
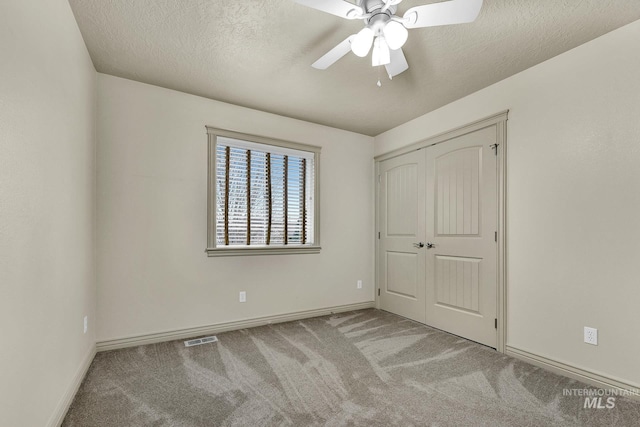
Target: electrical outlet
243, 296
359, 285
590, 335
86, 324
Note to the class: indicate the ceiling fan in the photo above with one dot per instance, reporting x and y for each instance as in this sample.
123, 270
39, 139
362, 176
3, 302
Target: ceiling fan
385, 31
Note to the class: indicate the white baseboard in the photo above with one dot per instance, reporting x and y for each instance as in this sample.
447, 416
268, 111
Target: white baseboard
579, 374
63, 405
156, 337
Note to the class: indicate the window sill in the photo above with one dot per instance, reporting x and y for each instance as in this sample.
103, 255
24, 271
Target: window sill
262, 250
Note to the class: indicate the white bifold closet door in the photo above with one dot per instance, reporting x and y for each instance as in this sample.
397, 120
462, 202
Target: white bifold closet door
438, 253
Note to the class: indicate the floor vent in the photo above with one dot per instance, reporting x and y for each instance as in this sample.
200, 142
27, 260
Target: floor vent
200, 341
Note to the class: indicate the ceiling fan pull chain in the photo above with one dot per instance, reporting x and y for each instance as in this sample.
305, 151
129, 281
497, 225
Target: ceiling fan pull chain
379, 83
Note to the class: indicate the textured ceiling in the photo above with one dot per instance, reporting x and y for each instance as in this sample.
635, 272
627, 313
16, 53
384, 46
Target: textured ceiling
258, 53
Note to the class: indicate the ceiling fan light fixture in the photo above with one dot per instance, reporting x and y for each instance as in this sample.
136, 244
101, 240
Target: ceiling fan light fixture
362, 42
381, 54
395, 34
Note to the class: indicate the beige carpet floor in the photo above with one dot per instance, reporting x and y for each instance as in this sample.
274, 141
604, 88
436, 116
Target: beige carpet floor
363, 368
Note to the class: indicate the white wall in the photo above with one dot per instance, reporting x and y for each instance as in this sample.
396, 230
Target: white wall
153, 274
47, 177
573, 200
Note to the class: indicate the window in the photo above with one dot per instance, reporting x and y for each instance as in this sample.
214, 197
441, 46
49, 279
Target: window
262, 195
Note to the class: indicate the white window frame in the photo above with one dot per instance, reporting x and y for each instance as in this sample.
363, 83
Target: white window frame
213, 250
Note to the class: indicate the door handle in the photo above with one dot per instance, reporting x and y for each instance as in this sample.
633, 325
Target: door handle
430, 245
418, 245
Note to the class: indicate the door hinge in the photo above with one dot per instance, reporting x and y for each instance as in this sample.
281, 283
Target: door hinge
379, 179
378, 235
378, 291
496, 323
494, 147
495, 236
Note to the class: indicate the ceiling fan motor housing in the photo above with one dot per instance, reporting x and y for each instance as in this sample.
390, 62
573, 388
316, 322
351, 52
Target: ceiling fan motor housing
372, 5
378, 18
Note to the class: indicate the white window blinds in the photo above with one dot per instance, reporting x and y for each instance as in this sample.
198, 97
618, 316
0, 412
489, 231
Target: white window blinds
264, 195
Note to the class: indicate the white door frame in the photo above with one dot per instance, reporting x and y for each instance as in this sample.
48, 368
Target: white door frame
499, 121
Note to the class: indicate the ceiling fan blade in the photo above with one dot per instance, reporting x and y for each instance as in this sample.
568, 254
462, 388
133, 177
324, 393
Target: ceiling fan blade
398, 63
444, 13
334, 54
340, 8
